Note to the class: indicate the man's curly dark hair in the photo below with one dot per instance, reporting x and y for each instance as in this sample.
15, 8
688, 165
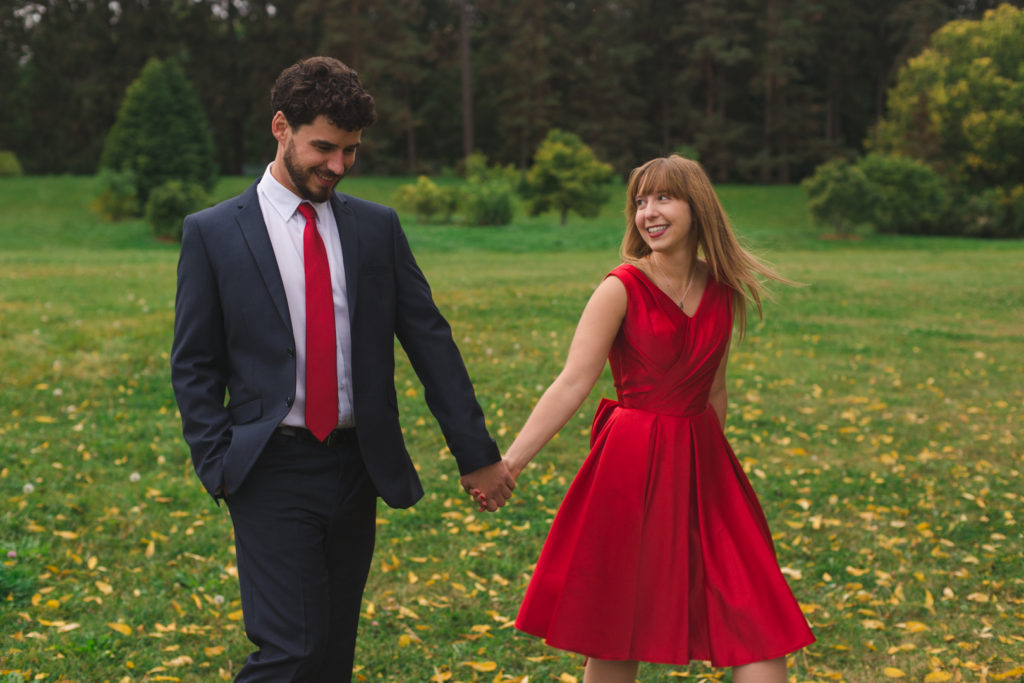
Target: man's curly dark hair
322, 85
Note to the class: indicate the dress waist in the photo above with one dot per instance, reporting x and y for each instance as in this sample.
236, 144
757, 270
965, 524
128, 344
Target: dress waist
661, 412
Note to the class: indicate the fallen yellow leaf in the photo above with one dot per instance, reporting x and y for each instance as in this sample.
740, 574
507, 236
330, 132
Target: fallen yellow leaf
1019, 671
873, 625
481, 666
566, 678
915, 626
938, 677
891, 672
213, 651
104, 587
183, 660
235, 616
123, 629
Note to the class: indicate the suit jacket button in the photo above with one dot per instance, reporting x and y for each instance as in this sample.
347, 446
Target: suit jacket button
289, 401
291, 352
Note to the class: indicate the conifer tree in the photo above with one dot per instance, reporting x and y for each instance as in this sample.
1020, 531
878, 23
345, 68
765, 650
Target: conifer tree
566, 176
161, 132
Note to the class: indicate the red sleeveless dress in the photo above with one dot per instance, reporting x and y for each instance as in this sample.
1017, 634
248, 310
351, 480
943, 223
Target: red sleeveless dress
660, 551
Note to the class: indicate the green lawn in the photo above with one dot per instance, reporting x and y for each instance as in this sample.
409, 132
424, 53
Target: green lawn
877, 410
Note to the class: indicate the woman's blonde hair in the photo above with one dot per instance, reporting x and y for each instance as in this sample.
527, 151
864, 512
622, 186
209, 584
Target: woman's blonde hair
730, 263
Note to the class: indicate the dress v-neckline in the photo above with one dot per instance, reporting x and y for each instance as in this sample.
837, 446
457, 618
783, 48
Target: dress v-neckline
675, 305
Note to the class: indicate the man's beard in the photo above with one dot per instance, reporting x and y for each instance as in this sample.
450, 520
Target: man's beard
300, 178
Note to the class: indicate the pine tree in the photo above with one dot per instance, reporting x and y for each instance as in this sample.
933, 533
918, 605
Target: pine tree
161, 132
566, 176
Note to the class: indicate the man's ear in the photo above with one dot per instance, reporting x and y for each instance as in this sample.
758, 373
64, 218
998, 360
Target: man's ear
280, 127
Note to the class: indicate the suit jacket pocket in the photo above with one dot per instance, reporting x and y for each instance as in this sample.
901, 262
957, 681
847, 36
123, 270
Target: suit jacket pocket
247, 412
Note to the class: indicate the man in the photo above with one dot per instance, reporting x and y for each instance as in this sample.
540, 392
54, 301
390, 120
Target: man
289, 299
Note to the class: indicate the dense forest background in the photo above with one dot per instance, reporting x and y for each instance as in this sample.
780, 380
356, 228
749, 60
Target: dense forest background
761, 90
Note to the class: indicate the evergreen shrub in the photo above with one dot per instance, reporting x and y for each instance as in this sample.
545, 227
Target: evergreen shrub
9, 164
907, 196
488, 202
161, 132
117, 197
488, 197
170, 203
839, 196
996, 212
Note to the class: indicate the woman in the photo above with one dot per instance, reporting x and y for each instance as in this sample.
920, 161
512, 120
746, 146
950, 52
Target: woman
660, 551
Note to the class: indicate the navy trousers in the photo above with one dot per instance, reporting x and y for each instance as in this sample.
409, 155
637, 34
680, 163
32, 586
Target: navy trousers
304, 521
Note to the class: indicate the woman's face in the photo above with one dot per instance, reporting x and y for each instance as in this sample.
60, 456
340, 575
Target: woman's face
663, 221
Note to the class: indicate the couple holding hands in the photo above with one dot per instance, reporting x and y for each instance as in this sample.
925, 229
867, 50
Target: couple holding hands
289, 299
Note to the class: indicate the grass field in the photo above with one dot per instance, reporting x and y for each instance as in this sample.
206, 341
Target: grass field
877, 411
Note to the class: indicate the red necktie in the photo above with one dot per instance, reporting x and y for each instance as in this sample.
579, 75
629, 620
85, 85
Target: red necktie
321, 354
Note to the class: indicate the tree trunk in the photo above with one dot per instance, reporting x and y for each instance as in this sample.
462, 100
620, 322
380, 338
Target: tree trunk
766, 142
410, 130
467, 83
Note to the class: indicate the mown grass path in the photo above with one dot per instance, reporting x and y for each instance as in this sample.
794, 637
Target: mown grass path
877, 411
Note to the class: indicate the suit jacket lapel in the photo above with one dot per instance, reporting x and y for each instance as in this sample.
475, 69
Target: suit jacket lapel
254, 231
349, 247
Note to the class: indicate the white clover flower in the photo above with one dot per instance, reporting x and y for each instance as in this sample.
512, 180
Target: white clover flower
28, 488
134, 477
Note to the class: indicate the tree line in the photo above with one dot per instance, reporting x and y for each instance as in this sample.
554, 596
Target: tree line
759, 90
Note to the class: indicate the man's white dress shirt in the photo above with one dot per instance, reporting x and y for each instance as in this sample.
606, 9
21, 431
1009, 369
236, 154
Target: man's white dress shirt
286, 225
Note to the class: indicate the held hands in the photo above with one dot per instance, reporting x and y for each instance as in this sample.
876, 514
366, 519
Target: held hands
490, 486
481, 496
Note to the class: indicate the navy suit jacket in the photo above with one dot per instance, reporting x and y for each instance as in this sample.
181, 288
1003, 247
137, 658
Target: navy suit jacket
233, 356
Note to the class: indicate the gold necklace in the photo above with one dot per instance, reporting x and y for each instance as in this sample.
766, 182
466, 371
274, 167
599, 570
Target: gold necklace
681, 299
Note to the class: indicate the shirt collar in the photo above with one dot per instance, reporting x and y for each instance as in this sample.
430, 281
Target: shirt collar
284, 201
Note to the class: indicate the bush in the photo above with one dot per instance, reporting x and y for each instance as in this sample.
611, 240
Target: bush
907, 197
428, 202
477, 168
488, 197
997, 212
170, 203
117, 198
839, 195
891, 194
9, 164
488, 203
161, 132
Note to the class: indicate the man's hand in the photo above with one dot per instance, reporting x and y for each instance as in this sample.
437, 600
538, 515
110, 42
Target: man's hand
491, 486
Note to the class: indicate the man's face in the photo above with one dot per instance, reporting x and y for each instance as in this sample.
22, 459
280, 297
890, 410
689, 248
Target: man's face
312, 159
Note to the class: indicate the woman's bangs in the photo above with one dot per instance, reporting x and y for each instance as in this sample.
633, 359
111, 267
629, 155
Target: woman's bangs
661, 178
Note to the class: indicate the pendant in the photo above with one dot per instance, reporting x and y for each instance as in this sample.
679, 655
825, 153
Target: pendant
681, 307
